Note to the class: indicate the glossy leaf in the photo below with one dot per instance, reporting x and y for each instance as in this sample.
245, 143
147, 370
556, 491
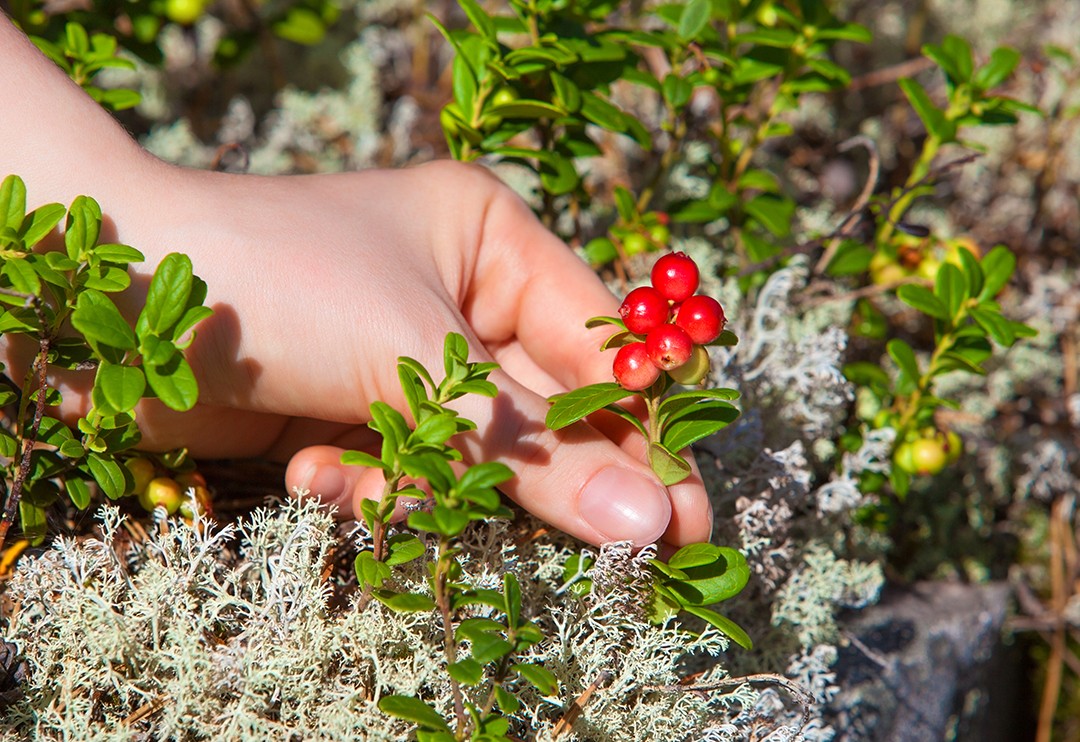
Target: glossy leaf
167, 297
724, 624
579, 403
369, 570
692, 423
669, 467
924, 300
77, 491
998, 266
173, 382
98, 319
950, 287
117, 388
402, 548
404, 602
40, 222
12, 202
414, 710
108, 474
904, 356
467, 671
544, 680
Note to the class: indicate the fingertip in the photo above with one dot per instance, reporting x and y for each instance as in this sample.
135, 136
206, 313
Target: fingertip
317, 471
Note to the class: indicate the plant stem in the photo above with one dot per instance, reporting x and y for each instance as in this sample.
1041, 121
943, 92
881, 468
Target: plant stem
442, 600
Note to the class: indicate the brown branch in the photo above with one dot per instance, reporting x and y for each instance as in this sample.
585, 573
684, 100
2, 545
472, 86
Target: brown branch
847, 226
862, 293
888, 75
804, 697
566, 723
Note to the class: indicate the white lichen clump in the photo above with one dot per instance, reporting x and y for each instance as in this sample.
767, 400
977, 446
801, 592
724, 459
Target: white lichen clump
205, 632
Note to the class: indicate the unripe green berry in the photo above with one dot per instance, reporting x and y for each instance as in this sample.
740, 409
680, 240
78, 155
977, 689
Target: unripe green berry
695, 370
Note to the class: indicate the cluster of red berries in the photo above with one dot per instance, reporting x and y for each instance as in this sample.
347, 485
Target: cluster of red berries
674, 323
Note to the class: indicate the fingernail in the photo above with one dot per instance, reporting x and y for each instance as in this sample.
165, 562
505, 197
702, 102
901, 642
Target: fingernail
326, 482
625, 506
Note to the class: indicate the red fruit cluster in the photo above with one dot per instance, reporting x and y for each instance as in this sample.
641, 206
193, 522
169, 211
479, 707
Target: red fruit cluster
673, 321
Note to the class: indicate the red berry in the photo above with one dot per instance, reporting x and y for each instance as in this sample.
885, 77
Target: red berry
633, 369
675, 276
643, 309
702, 317
669, 346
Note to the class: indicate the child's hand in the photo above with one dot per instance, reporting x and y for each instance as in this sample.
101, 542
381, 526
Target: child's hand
318, 285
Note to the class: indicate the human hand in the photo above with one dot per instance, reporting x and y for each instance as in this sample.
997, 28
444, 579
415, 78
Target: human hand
319, 283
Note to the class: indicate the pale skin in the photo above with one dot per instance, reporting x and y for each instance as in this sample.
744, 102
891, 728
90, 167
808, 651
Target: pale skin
320, 282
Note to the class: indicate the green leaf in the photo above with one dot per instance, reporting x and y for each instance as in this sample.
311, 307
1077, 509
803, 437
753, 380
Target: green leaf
932, 117
108, 474
450, 521
950, 287
995, 325
512, 594
669, 467
22, 276
107, 278
508, 703
601, 321
475, 628
724, 624
998, 266
718, 580
481, 20
904, 357
117, 388
40, 222
527, 109
120, 254
83, 227
167, 298
951, 361
691, 423
414, 710
924, 300
300, 26
694, 555
488, 647
402, 548
78, 492
694, 17
435, 430
579, 403
12, 202
487, 474
98, 319
544, 680
772, 212
1003, 61
404, 602
973, 272
32, 521
467, 671
852, 257
369, 570
173, 382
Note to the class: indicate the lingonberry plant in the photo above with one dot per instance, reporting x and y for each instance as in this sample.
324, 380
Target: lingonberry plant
60, 301
660, 332
486, 633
